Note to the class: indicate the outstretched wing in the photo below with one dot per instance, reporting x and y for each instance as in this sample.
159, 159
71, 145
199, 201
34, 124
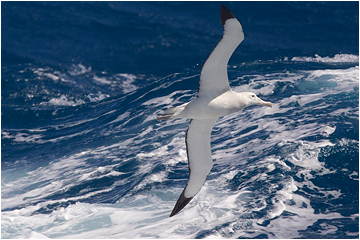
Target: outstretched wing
199, 157
213, 77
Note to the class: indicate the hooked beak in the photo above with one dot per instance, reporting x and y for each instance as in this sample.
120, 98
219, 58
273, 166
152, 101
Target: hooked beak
263, 103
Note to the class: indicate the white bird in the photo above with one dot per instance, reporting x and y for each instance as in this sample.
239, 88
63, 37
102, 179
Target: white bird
214, 99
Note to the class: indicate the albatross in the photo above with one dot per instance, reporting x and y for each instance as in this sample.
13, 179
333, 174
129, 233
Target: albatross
214, 99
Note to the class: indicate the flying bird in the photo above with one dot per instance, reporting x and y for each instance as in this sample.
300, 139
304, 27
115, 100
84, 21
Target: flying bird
214, 99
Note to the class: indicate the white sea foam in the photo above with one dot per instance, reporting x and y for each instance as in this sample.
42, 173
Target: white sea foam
121, 117
23, 137
127, 82
64, 101
124, 81
97, 97
249, 192
79, 69
338, 58
102, 80
48, 73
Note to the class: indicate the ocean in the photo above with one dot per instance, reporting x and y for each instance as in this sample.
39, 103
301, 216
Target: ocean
83, 156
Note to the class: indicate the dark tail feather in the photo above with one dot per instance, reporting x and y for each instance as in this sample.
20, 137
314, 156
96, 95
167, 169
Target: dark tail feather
164, 117
180, 204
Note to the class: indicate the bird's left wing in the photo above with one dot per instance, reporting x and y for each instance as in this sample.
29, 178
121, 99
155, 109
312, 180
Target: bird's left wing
199, 156
214, 77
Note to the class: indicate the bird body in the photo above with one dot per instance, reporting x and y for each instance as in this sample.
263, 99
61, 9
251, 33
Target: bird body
210, 106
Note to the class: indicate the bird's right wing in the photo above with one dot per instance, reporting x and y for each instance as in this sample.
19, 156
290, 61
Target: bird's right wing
199, 156
213, 77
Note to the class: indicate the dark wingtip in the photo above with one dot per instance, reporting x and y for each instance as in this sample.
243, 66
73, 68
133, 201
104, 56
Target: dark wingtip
180, 204
225, 14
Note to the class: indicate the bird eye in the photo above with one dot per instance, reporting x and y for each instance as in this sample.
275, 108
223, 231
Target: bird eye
252, 95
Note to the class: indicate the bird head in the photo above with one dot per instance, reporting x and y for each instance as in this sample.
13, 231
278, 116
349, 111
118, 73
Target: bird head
252, 99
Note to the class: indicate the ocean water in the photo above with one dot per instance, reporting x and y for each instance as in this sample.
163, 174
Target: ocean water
82, 155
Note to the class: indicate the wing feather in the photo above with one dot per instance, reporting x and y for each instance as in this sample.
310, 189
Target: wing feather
200, 161
214, 77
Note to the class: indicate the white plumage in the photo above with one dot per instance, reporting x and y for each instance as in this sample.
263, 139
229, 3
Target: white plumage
214, 99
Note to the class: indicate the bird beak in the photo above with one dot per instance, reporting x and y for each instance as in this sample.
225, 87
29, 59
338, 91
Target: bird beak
263, 103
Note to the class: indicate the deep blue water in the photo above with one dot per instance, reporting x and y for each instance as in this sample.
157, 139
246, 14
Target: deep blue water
82, 155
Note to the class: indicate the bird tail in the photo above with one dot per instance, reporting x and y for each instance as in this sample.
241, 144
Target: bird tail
171, 112
164, 117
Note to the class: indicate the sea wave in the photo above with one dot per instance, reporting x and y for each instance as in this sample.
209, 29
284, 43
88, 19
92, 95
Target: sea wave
338, 58
266, 163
